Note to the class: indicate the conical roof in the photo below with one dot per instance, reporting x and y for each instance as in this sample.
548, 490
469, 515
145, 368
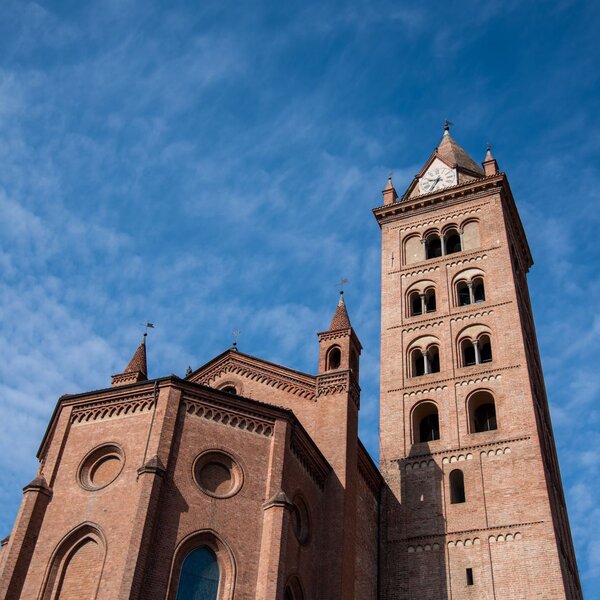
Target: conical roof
454, 155
340, 318
138, 364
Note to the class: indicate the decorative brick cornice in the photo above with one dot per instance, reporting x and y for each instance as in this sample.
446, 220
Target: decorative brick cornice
227, 415
449, 260
337, 383
499, 444
483, 376
252, 369
325, 336
441, 219
314, 464
467, 260
421, 326
458, 313
417, 271
112, 408
460, 379
430, 390
469, 532
476, 188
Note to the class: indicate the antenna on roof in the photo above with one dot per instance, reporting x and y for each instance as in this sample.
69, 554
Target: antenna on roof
236, 334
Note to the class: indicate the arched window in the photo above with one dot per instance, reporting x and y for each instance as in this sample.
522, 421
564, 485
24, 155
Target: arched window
230, 389
433, 355
468, 353
463, 293
478, 290
482, 412
433, 246
476, 352
470, 291
426, 423
416, 305
485, 348
452, 242
457, 487
430, 305
334, 358
425, 362
429, 428
485, 418
82, 551
199, 578
421, 302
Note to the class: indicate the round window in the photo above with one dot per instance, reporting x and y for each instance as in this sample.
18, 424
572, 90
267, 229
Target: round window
101, 467
218, 474
300, 520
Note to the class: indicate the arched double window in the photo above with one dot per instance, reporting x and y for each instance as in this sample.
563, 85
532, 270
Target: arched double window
477, 351
470, 291
421, 302
457, 487
199, 577
425, 362
426, 423
482, 412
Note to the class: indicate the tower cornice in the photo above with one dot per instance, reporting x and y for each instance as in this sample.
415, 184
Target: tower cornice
468, 191
391, 212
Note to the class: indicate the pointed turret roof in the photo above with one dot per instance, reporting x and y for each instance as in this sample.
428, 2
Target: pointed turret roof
136, 370
138, 364
340, 318
454, 155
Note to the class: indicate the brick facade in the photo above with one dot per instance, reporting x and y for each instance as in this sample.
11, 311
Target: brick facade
262, 465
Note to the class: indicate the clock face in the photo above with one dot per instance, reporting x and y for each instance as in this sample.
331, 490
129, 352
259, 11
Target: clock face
437, 179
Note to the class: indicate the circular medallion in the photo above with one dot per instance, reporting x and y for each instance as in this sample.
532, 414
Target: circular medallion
218, 474
101, 467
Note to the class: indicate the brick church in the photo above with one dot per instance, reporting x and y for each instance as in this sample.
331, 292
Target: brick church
246, 479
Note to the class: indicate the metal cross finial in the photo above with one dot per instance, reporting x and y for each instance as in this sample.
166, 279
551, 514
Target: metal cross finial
236, 334
447, 125
489, 147
343, 282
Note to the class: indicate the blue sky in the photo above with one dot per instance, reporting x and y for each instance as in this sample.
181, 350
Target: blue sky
211, 166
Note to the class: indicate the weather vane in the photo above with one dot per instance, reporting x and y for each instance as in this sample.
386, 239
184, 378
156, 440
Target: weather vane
146, 327
447, 125
236, 334
343, 282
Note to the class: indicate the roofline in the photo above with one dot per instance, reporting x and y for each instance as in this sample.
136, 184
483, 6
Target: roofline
371, 464
456, 191
238, 353
265, 408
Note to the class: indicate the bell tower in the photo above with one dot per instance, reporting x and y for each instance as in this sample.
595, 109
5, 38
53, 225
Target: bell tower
474, 506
